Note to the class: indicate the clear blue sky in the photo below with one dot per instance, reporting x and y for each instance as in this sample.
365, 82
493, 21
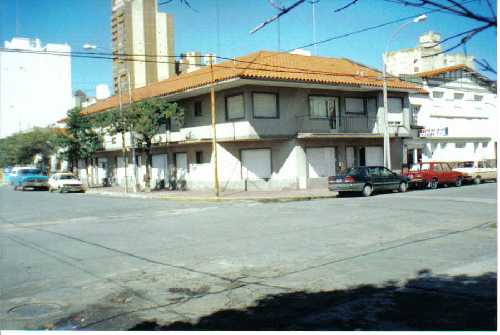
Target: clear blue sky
80, 21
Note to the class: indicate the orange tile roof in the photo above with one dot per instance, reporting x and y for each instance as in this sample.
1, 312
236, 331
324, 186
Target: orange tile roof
265, 65
437, 72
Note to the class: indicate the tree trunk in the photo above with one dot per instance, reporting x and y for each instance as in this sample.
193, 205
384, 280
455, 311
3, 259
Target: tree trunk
125, 160
87, 172
149, 159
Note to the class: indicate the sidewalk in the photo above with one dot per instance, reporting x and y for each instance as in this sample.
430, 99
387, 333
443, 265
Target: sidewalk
195, 195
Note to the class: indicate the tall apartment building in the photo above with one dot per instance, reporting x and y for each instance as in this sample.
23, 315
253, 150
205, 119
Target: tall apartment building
138, 30
35, 88
426, 56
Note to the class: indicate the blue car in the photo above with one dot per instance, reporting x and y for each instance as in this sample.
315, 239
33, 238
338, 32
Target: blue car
30, 178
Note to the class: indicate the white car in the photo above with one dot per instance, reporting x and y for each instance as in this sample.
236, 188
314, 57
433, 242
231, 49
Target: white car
65, 182
477, 171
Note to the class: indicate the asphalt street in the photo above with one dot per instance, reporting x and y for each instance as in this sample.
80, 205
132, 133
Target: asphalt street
79, 261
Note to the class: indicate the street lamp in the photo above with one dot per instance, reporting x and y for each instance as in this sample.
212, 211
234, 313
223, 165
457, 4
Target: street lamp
387, 147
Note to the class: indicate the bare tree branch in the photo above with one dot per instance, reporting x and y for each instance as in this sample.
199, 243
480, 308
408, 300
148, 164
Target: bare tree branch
275, 5
277, 16
493, 13
468, 35
346, 6
485, 66
184, 2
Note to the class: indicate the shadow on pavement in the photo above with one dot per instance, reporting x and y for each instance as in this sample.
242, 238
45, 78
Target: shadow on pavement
426, 302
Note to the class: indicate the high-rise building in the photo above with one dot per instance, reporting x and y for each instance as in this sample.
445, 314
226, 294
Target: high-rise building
427, 56
35, 85
145, 37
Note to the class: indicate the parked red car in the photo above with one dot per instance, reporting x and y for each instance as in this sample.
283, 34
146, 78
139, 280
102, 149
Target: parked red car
432, 174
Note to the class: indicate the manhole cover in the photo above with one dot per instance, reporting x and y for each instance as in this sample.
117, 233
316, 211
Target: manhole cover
34, 309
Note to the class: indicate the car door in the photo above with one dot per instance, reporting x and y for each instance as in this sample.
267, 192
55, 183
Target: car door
390, 179
375, 178
448, 175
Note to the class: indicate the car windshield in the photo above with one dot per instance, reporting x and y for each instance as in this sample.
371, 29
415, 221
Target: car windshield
419, 167
66, 176
29, 171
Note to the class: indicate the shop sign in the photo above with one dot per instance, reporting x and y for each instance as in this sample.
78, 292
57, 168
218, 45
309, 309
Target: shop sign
436, 132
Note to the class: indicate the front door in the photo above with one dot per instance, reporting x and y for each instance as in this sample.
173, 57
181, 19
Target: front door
181, 165
350, 157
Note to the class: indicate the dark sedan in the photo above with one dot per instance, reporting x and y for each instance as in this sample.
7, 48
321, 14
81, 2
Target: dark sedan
368, 179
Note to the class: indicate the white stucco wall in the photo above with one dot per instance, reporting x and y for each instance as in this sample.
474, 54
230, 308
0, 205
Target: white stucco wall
472, 125
35, 89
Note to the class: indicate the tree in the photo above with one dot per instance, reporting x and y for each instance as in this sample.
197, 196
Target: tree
22, 147
116, 121
143, 118
147, 117
81, 139
485, 21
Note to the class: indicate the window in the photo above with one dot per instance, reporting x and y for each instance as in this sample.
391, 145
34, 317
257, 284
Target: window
235, 108
437, 167
460, 145
478, 97
445, 167
415, 109
437, 94
458, 96
416, 69
199, 157
373, 172
321, 107
354, 106
265, 105
386, 172
371, 106
197, 109
395, 112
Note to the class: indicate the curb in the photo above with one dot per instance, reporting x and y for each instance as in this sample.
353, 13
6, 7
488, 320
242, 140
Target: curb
216, 199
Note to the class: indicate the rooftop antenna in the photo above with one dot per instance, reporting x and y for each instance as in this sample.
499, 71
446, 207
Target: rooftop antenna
17, 17
313, 3
217, 13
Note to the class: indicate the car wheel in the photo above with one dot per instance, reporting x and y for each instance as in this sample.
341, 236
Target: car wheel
458, 182
367, 190
59, 189
403, 187
433, 184
477, 180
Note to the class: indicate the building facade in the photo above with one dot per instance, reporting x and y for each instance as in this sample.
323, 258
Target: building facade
457, 120
426, 56
143, 34
35, 86
285, 122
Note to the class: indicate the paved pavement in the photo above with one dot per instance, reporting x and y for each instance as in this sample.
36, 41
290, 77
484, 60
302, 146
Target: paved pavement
74, 261
197, 195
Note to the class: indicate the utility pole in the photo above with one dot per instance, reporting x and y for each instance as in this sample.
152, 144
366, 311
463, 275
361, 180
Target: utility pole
214, 128
387, 146
132, 138
124, 150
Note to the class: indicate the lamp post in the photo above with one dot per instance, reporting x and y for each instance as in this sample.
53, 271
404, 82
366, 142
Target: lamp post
387, 146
